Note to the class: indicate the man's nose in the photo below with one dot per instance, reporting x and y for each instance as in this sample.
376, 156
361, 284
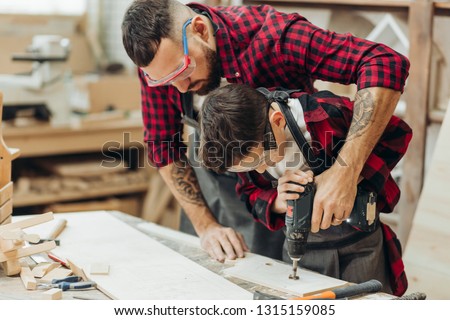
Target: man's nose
182, 85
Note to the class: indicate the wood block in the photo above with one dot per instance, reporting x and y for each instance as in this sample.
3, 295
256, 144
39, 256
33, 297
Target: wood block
56, 229
52, 294
57, 273
99, 268
6, 210
43, 268
23, 224
7, 245
6, 193
23, 252
77, 270
273, 274
28, 279
11, 267
7, 221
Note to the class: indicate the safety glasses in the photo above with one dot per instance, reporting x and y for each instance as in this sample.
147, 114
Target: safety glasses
183, 71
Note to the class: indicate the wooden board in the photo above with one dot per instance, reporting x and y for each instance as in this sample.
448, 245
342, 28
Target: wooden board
273, 274
6, 193
6, 210
427, 258
140, 267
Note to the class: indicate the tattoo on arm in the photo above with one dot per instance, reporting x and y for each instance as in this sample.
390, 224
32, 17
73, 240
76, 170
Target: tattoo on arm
362, 113
185, 182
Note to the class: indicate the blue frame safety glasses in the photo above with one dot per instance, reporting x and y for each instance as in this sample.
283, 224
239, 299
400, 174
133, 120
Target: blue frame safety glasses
183, 71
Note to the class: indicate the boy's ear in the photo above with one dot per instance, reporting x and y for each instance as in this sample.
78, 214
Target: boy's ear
199, 28
276, 119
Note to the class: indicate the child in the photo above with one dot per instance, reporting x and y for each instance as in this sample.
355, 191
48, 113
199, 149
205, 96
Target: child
245, 131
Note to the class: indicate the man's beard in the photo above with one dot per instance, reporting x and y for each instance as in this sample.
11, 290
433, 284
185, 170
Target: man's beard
215, 70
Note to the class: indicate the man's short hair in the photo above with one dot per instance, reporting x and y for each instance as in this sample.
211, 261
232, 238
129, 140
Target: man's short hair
145, 23
232, 121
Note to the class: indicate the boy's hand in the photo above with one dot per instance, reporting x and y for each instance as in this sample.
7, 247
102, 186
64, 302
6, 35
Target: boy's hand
289, 188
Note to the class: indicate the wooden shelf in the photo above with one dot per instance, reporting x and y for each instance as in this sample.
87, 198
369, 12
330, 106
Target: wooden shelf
40, 199
442, 8
45, 140
333, 4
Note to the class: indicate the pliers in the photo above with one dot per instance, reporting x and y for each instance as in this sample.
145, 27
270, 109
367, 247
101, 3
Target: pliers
69, 283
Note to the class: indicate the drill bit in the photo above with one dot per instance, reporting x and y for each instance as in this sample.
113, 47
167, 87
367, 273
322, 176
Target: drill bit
294, 275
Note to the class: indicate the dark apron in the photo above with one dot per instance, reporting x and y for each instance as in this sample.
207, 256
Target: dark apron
220, 195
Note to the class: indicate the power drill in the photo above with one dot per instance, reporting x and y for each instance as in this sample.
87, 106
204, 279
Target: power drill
298, 225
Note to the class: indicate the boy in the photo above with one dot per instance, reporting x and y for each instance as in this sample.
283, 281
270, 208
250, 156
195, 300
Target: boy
245, 131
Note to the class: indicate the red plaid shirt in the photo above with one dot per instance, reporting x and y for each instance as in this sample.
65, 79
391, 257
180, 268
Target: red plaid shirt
328, 118
262, 47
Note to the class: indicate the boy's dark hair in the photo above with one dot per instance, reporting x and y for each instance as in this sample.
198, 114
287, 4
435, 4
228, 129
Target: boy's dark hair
144, 24
232, 121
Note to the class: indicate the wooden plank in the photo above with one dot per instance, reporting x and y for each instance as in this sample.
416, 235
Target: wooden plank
26, 223
5, 154
52, 294
11, 267
273, 274
37, 199
364, 3
43, 268
375, 6
426, 258
140, 267
6, 210
53, 140
7, 221
28, 279
57, 273
6, 193
23, 252
421, 37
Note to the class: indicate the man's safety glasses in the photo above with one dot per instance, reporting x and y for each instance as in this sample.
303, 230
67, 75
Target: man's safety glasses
183, 71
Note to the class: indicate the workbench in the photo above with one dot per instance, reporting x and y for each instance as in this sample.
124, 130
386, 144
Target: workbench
187, 245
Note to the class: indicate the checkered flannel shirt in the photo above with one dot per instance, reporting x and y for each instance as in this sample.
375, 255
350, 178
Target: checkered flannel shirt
328, 118
262, 47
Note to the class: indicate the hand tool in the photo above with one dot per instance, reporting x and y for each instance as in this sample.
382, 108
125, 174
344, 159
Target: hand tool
370, 286
69, 283
298, 225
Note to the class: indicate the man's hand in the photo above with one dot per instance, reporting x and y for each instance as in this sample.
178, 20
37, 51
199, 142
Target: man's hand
289, 188
223, 243
220, 242
334, 198
337, 186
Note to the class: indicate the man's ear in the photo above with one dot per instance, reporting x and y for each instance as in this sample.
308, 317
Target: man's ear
200, 28
276, 119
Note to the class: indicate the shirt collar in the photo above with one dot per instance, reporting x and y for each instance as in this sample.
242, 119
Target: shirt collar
224, 46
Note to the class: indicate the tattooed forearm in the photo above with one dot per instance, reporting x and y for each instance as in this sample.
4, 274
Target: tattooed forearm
185, 182
362, 113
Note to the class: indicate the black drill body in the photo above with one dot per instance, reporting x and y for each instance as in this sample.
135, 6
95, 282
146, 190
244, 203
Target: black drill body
298, 223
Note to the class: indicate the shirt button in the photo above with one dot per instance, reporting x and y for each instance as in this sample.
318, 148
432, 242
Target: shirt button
237, 74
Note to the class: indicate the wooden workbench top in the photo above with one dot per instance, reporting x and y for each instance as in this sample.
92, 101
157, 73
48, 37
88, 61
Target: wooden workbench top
188, 246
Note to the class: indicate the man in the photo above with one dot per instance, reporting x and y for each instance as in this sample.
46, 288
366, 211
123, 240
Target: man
242, 131
182, 49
